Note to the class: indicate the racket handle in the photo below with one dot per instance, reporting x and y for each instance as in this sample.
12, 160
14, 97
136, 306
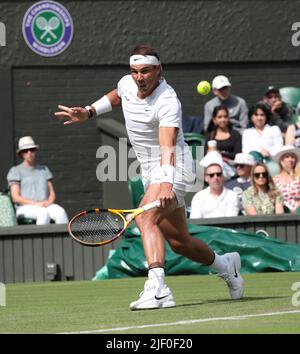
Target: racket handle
152, 205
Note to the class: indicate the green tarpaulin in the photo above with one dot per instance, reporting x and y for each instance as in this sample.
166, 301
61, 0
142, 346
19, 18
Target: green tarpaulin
259, 253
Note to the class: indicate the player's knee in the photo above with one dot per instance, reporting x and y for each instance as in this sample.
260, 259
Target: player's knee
145, 220
177, 246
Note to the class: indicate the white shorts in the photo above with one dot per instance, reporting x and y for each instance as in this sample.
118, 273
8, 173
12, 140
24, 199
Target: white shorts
184, 177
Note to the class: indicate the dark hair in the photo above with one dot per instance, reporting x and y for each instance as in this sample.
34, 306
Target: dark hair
265, 108
144, 49
212, 129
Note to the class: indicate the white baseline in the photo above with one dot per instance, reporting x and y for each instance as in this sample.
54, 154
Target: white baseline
187, 322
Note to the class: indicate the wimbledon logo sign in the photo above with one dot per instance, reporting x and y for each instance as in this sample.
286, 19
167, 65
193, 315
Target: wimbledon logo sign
47, 28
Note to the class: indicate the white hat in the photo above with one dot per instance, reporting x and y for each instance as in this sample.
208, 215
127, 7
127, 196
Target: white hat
220, 81
286, 149
26, 142
244, 159
212, 158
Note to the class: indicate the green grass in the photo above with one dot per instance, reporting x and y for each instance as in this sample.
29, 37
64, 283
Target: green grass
82, 306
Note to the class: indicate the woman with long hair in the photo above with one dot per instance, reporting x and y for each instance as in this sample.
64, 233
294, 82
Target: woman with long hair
261, 136
229, 140
262, 197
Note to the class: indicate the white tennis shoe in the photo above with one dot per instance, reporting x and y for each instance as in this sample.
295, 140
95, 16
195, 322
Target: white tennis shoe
153, 298
233, 277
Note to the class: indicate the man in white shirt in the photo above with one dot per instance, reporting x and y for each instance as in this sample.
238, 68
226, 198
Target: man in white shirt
215, 200
152, 114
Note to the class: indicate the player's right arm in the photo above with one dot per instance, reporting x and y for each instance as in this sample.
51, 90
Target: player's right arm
81, 114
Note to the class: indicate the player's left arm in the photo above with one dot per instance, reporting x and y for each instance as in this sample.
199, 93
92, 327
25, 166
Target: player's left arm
167, 141
80, 114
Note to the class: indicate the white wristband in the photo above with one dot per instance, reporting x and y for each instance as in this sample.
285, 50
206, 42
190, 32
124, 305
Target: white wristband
102, 106
167, 174
90, 112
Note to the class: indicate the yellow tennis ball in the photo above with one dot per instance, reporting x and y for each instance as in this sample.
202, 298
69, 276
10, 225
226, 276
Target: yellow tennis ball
203, 88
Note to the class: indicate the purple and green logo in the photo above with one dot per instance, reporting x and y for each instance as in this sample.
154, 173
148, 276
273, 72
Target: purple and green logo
48, 28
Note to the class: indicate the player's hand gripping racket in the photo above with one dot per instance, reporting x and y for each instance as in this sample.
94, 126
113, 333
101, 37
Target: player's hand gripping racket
99, 227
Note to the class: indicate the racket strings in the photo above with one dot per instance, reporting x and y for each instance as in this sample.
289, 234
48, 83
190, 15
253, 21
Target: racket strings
97, 227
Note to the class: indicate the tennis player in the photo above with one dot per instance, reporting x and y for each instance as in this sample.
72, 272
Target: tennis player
153, 115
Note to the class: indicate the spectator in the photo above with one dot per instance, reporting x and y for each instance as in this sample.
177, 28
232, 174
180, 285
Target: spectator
215, 200
237, 107
261, 137
282, 112
229, 140
262, 197
243, 163
32, 189
292, 136
286, 181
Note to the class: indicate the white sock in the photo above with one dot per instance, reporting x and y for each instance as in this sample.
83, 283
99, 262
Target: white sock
220, 264
157, 275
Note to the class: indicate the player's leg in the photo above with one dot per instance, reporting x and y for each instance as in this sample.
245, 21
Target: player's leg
156, 294
175, 231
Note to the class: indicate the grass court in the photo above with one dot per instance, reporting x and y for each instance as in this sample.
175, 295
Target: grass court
203, 306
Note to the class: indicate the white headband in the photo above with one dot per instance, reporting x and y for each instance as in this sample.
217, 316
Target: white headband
143, 59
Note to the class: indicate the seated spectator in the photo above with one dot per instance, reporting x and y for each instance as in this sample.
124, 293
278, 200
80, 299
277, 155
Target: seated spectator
262, 197
237, 107
215, 200
32, 189
243, 163
286, 181
261, 137
282, 112
292, 136
229, 140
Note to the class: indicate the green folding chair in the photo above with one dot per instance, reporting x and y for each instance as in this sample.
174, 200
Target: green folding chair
291, 95
194, 140
21, 218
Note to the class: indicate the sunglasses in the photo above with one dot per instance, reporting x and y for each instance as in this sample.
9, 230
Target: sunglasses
211, 175
240, 165
260, 174
26, 150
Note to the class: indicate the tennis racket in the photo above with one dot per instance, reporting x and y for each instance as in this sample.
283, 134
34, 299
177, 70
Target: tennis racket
98, 227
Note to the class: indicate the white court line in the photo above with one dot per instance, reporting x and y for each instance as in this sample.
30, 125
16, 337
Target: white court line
164, 324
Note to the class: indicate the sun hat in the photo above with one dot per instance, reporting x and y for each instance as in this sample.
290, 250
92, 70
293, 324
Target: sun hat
26, 142
244, 159
220, 81
286, 149
212, 158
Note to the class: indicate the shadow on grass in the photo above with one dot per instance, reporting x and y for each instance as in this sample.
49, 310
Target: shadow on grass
244, 299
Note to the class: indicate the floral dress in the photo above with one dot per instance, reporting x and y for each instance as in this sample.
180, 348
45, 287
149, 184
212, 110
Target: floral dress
290, 191
260, 201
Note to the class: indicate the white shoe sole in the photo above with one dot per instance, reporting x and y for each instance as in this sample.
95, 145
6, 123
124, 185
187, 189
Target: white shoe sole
151, 305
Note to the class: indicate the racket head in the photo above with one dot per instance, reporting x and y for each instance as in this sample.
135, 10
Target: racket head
97, 227
41, 23
53, 23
